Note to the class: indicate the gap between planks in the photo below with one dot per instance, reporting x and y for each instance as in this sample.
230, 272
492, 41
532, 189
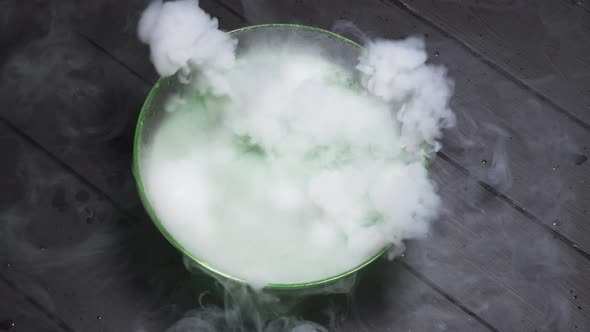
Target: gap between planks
556, 107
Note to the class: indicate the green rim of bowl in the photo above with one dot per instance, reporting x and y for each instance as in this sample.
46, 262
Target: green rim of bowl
150, 210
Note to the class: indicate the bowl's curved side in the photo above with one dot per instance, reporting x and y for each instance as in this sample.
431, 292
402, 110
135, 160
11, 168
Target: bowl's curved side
137, 150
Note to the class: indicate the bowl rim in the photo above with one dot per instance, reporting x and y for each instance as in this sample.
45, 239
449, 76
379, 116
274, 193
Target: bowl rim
153, 216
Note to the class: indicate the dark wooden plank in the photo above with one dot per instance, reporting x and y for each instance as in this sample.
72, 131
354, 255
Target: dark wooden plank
504, 267
97, 269
19, 315
390, 297
60, 90
538, 43
82, 105
66, 247
584, 4
20, 22
119, 36
537, 138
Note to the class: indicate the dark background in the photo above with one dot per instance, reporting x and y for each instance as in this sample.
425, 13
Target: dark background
510, 253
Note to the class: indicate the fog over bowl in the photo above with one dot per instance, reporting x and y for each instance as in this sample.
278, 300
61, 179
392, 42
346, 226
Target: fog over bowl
331, 159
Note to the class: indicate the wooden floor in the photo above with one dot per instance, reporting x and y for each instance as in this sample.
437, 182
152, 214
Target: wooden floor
510, 253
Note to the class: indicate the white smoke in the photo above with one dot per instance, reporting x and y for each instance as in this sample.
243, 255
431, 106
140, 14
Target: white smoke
396, 71
301, 149
305, 171
185, 39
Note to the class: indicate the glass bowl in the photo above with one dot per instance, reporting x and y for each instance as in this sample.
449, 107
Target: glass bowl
347, 52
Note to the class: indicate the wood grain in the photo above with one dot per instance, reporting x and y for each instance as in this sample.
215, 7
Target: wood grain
537, 43
80, 258
583, 4
499, 263
18, 314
